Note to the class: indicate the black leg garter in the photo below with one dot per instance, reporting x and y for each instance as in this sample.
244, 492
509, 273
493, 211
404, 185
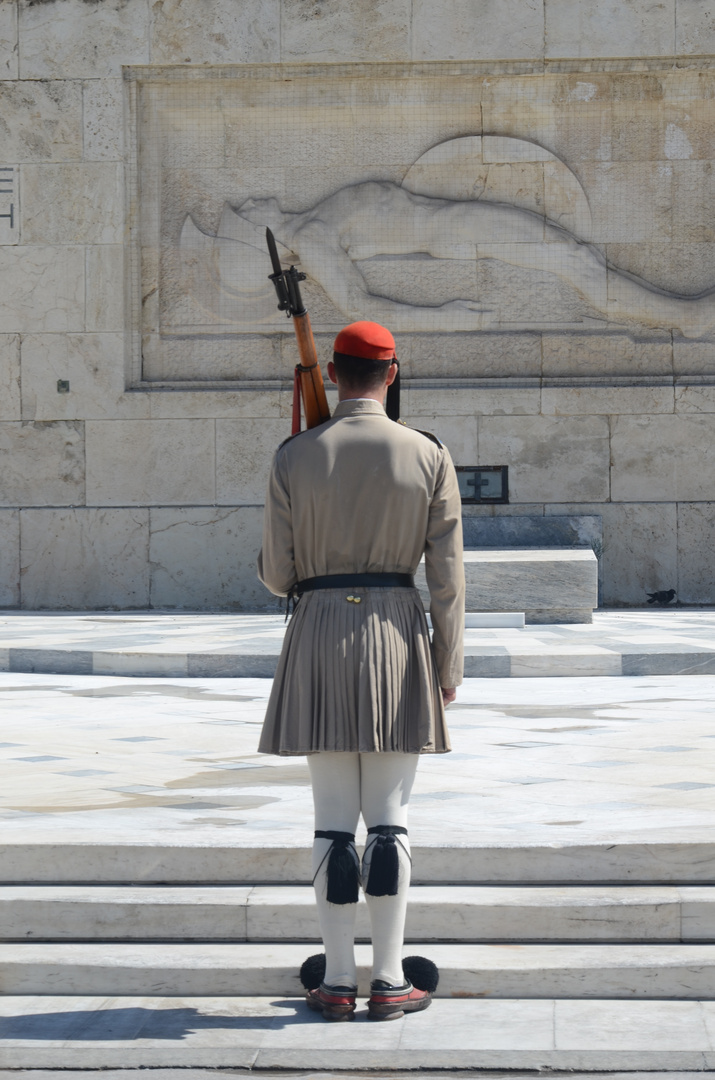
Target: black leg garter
343, 871
383, 879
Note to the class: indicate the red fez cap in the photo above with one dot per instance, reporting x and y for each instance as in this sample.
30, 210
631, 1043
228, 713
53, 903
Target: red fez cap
368, 340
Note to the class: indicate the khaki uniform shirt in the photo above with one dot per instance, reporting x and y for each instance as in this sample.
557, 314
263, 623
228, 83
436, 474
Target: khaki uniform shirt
362, 494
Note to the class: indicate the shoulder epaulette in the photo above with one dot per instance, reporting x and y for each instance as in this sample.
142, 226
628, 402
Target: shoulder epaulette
430, 435
289, 439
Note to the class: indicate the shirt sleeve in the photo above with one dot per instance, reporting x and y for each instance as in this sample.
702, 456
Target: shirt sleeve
276, 562
444, 567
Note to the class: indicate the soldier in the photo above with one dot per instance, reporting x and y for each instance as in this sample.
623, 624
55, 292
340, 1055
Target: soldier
352, 506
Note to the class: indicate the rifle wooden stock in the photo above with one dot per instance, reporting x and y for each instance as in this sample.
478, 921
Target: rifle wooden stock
315, 403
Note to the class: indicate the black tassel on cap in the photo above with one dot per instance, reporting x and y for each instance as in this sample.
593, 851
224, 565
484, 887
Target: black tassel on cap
312, 971
383, 879
343, 871
421, 972
392, 404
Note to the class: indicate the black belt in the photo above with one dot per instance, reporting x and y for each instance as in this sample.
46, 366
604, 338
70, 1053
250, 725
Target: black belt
355, 581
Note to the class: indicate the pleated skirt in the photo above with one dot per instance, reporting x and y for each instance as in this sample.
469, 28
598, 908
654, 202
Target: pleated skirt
356, 677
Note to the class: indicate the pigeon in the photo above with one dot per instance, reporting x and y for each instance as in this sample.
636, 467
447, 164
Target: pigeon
663, 597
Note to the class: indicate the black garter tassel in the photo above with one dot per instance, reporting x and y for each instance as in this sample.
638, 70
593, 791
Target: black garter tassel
312, 971
421, 972
343, 872
383, 879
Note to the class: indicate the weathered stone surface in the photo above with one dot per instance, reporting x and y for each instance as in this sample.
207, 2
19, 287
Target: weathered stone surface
680, 268
605, 400
93, 364
224, 404
429, 356
695, 399
150, 462
42, 463
103, 117
468, 401
693, 357
8, 41
610, 28
258, 357
228, 32
376, 30
696, 553
550, 459
639, 551
10, 377
693, 202
73, 204
43, 289
85, 558
81, 40
532, 531
244, 451
618, 216
9, 558
662, 458
458, 433
41, 121
105, 287
206, 558
462, 30
607, 354
694, 27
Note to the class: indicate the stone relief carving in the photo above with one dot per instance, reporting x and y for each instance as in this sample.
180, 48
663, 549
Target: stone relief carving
416, 254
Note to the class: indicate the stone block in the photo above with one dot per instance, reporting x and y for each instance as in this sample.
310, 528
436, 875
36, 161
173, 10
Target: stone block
244, 451
463, 30
694, 27
688, 269
9, 558
257, 357
469, 355
81, 40
663, 458
610, 28
42, 121
471, 401
73, 204
330, 30
606, 400
92, 364
43, 289
103, 118
694, 201
85, 558
227, 32
618, 216
550, 459
458, 433
205, 558
693, 357
43, 464
8, 41
695, 399
105, 287
223, 404
149, 462
639, 551
532, 531
608, 354
10, 377
696, 554
549, 585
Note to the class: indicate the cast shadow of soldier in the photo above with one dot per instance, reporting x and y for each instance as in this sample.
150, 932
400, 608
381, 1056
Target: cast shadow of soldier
132, 1022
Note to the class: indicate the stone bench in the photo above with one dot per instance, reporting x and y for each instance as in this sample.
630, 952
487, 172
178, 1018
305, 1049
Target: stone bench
550, 585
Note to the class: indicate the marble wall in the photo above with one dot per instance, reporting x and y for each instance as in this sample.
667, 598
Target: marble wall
134, 451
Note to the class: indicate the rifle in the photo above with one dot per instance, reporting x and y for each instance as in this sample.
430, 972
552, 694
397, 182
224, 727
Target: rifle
308, 380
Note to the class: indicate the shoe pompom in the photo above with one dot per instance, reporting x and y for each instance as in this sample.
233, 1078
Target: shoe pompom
421, 972
312, 971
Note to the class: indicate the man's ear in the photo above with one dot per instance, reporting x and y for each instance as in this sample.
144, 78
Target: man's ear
391, 374
331, 372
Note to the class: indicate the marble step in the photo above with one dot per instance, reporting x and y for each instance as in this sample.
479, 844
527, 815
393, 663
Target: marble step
44, 859
660, 971
288, 913
262, 1033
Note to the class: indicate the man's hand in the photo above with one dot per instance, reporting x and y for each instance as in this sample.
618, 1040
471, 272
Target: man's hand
449, 694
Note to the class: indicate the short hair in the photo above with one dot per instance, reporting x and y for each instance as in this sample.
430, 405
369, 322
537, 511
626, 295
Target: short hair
359, 373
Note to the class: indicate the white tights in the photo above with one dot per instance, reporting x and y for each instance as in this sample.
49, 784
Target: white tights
378, 786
